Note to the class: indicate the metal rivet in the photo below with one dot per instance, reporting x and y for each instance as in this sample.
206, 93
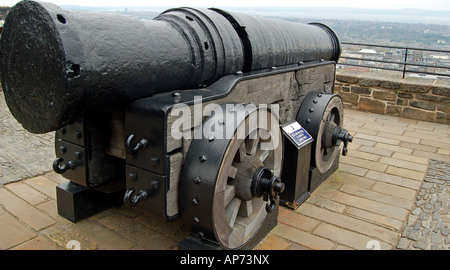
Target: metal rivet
195, 201
77, 135
155, 161
315, 101
221, 122
300, 63
273, 68
132, 177
196, 219
319, 95
176, 94
62, 149
201, 234
78, 155
203, 158
197, 180
311, 110
308, 121
211, 138
239, 73
154, 184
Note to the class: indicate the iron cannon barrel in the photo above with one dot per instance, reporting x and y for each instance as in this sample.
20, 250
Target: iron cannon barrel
57, 65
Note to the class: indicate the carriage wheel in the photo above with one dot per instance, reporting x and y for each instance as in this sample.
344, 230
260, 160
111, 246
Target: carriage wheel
228, 182
322, 115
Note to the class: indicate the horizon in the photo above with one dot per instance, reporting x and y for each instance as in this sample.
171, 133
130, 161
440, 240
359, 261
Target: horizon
430, 5
405, 14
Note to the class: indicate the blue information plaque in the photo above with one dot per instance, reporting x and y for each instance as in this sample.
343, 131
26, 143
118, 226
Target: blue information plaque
297, 134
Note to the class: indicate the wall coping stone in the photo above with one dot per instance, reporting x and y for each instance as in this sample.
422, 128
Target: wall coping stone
438, 87
385, 93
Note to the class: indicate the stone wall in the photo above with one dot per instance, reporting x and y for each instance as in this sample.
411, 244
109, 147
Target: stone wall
419, 99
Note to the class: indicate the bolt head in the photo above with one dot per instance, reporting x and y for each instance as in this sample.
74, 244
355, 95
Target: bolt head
195, 201
78, 155
197, 180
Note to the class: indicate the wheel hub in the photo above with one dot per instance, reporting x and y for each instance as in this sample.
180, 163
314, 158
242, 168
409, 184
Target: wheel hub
253, 180
268, 185
243, 181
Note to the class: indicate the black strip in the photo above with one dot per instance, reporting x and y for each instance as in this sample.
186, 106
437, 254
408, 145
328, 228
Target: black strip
246, 44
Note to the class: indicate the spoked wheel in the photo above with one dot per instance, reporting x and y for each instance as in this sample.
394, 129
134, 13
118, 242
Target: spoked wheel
229, 184
322, 115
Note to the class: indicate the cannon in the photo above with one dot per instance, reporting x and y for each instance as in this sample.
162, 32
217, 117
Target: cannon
214, 117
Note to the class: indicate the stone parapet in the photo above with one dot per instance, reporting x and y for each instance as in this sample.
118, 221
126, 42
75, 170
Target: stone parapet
414, 98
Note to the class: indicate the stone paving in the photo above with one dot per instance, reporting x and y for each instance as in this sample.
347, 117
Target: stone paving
377, 199
22, 154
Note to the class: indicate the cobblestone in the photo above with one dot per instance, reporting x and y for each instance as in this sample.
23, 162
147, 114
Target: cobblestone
428, 224
35, 152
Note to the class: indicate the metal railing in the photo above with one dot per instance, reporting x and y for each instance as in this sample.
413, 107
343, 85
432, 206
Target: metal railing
404, 56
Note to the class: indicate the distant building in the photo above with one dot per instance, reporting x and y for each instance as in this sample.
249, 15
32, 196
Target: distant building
420, 61
417, 56
367, 51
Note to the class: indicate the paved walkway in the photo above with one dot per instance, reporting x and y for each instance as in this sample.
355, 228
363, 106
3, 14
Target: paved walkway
378, 198
22, 154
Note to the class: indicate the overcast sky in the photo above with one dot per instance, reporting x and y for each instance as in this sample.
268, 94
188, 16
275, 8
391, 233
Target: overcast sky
383, 4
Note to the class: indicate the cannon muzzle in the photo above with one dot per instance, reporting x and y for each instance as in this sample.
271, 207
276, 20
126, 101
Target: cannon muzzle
57, 65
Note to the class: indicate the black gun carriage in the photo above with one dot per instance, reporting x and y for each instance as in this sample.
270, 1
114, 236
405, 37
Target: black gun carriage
198, 114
